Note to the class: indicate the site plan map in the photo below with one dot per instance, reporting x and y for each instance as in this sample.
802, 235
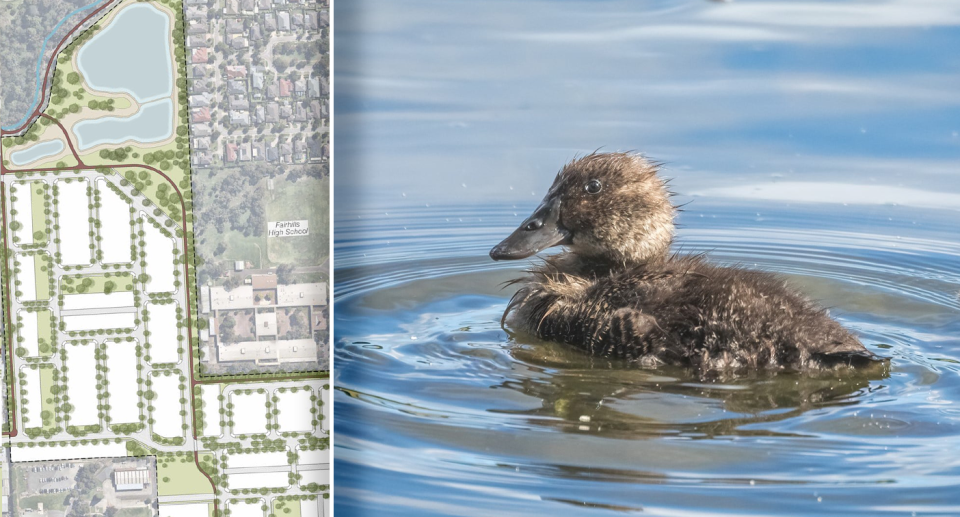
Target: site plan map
165, 224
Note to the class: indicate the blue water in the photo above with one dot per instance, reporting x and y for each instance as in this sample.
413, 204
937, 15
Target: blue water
40, 67
816, 140
41, 150
130, 55
153, 123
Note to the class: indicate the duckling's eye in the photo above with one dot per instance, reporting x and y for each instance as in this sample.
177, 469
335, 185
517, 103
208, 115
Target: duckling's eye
593, 187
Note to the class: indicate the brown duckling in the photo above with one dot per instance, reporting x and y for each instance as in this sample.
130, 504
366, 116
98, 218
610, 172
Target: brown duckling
617, 291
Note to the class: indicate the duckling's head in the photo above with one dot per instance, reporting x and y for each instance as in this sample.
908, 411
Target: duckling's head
610, 207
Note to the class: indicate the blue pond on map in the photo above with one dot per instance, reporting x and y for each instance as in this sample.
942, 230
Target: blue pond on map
131, 55
153, 123
36, 152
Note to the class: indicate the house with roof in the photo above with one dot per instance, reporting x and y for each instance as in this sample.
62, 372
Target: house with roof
201, 100
197, 27
258, 150
240, 118
300, 151
236, 72
286, 87
273, 112
199, 55
200, 115
198, 85
283, 21
300, 112
236, 86
270, 22
313, 87
230, 151
271, 153
239, 42
201, 158
239, 102
286, 112
200, 129
313, 147
255, 34
273, 90
312, 23
234, 26
300, 87
286, 152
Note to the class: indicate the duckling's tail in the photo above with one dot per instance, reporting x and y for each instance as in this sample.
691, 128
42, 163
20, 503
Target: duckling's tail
854, 358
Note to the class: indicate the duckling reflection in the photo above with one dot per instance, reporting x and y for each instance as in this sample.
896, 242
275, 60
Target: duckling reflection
616, 291
605, 397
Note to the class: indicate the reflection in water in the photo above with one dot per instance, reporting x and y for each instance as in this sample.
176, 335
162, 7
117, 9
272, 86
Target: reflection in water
616, 399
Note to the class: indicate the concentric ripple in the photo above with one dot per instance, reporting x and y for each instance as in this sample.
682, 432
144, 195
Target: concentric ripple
439, 411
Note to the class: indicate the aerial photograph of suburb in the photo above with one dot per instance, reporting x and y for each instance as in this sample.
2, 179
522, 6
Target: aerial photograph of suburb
165, 260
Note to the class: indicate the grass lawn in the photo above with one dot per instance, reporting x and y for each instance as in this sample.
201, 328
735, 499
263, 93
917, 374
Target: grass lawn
44, 333
41, 271
120, 282
308, 198
286, 508
48, 403
240, 247
179, 475
135, 512
37, 191
50, 501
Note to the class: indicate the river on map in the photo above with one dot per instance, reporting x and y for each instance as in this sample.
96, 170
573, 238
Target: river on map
811, 140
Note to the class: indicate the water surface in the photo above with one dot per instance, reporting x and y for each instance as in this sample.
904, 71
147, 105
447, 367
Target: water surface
816, 140
34, 153
153, 123
130, 55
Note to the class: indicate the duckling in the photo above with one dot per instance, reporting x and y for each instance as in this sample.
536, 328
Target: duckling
617, 290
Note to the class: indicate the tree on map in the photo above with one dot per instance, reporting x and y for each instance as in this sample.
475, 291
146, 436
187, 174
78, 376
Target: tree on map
226, 329
285, 274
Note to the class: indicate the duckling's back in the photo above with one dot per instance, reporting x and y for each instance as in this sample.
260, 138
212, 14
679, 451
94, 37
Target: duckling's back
684, 311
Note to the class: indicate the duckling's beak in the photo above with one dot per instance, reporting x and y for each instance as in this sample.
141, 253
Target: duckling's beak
538, 232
